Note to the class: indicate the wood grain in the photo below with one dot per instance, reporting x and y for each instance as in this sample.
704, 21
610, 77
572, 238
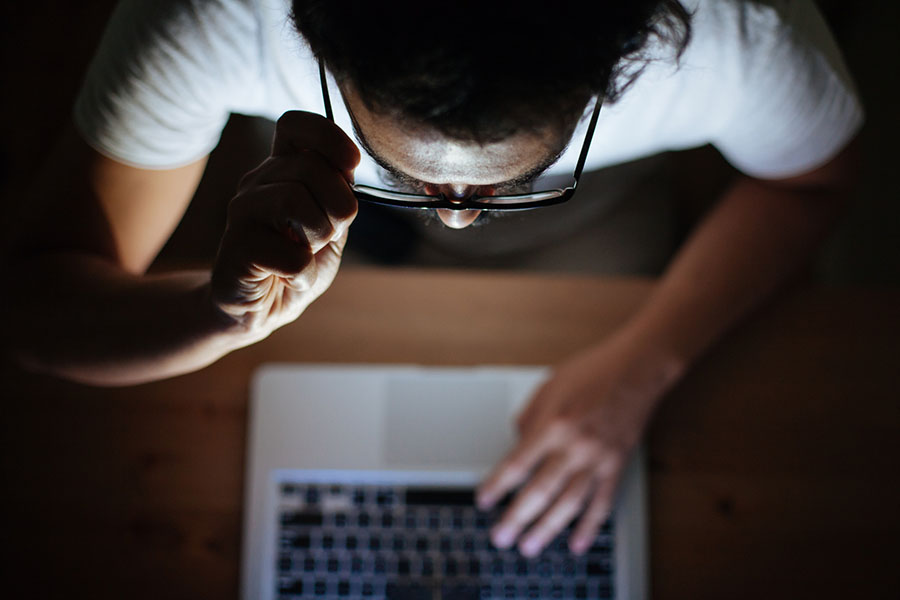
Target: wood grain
773, 465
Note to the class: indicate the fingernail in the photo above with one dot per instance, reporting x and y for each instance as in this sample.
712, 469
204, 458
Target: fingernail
484, 502
578, 546
503, 537
530, 547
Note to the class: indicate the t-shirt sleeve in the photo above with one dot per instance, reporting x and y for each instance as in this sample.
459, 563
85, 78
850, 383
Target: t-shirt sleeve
165, 78
795, 104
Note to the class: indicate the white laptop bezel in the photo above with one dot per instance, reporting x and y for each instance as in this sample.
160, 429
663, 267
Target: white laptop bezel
269, 409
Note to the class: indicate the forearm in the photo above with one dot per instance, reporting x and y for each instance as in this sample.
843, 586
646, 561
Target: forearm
92, 322
754, 240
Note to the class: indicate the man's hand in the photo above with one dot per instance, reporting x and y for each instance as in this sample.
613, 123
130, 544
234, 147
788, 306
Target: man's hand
575, 439
287, 226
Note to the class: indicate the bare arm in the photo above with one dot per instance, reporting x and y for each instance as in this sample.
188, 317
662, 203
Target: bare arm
759, 234
79, 305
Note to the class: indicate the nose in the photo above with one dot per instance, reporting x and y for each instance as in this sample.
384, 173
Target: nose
456, 219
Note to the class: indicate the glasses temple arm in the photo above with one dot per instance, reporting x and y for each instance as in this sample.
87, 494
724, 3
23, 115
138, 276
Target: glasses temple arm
587, 140
326, 99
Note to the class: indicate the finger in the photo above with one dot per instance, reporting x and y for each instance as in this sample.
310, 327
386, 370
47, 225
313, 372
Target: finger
533, 499
595, 515
256, 253
289, 209
569, 503
514, 469
328, 260
328, 188
298, 130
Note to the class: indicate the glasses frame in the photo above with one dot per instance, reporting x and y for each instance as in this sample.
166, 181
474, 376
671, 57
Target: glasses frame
373, 195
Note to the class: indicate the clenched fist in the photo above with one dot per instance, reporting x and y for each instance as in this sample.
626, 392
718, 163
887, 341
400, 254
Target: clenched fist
287, 226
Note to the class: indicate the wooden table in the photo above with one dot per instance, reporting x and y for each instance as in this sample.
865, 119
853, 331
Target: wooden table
773, 466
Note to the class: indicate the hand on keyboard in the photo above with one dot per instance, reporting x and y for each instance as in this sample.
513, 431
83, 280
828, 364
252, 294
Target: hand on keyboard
575, 439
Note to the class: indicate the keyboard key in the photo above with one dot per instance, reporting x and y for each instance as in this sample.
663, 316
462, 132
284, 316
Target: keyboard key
398, 543
343, 588
301, 542
451, 568
521, 567
408, 591
292, 587
545, 567
380, 565
474, 567
497, 567
403, 566
596, 568
303, 519
427, 566
440, 497
356, 564
384, 497
461, 591
456, 520
285, 563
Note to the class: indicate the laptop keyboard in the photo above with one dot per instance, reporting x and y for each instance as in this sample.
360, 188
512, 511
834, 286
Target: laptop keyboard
418, 543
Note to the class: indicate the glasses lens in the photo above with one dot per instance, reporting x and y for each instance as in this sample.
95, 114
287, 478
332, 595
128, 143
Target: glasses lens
374, 181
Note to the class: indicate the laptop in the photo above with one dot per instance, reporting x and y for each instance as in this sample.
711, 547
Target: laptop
360, 484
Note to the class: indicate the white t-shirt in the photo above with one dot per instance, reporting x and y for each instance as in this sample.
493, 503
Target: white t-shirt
764, 83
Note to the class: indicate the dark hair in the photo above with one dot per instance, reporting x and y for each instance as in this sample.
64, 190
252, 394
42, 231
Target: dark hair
484, 70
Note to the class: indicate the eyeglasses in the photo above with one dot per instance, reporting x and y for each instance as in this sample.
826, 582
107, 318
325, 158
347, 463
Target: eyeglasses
536, 199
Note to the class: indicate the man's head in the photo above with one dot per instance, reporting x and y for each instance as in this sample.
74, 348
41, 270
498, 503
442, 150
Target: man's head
464, 97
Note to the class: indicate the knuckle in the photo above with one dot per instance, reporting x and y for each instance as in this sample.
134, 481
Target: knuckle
292, 118
301, 259
560, 428
586, 449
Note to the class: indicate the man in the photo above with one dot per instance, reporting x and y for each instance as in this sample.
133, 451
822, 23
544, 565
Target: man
461, 102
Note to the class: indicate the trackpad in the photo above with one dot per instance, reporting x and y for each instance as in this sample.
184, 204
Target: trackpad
447, 421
